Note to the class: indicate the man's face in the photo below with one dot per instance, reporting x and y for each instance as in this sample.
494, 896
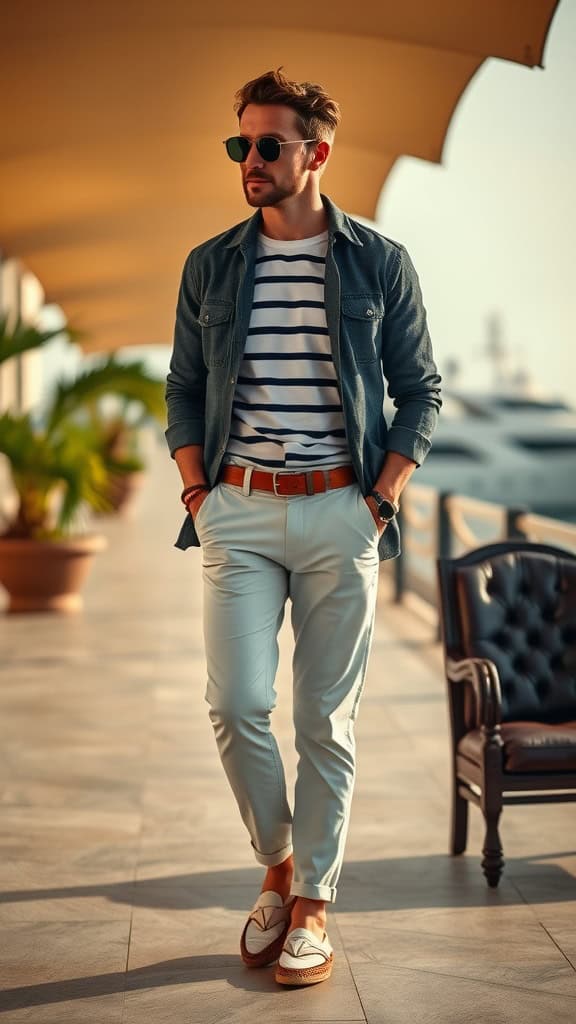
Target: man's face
268, 184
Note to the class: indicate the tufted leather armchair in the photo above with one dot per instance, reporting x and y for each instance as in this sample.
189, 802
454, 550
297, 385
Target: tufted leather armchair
508, 615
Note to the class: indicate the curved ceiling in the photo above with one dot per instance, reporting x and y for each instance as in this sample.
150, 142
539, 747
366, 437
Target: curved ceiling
111, 163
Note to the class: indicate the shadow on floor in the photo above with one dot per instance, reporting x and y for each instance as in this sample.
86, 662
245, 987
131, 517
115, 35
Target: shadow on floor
393, 884
178, 971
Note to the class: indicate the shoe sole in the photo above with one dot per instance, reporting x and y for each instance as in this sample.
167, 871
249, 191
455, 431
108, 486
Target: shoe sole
306, 976
267, 955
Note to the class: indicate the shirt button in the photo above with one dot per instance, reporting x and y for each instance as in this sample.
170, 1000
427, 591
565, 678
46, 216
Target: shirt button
369, 312
232, 380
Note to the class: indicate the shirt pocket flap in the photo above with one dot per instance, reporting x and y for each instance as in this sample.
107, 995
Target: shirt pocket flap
363, 307
215, 311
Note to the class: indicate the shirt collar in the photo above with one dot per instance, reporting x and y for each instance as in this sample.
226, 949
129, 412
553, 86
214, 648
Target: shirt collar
338, 224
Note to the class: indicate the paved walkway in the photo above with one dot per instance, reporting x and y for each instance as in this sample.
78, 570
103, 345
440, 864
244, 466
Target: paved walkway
125, 871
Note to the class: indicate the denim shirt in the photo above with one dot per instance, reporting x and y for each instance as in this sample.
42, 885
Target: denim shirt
378, 335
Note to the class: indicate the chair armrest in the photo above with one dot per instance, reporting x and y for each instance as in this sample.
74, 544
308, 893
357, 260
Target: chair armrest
483, 676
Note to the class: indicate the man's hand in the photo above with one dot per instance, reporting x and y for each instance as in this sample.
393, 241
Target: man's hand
195, 503
371, 502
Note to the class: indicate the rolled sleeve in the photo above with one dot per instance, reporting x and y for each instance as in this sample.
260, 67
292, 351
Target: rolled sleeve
184, 432
409, 443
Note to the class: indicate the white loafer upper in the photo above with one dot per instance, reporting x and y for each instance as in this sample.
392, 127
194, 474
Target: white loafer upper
303, 949
267, 920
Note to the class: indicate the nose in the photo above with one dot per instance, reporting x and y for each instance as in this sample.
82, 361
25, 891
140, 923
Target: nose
253, 158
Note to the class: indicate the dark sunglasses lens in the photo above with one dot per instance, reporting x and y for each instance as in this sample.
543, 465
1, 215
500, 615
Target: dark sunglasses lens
269, 148
237, 148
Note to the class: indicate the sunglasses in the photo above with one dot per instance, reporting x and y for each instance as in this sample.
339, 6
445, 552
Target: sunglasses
268, 147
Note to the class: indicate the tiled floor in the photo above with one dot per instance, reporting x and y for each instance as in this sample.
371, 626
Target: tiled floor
126, 874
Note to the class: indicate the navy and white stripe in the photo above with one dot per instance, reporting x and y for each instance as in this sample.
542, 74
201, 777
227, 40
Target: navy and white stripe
287, 410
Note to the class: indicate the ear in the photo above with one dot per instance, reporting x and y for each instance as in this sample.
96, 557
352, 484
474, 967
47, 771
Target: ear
321, 154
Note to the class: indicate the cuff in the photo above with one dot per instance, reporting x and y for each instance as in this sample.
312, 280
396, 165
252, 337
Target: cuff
271, 859
314, 892
184, 432
409, 443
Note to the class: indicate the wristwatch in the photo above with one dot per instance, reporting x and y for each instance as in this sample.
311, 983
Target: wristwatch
387, 509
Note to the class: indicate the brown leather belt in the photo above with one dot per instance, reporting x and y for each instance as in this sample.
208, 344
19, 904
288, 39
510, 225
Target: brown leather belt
283, 484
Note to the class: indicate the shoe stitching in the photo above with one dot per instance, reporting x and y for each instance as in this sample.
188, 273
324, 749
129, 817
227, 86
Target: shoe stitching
290, 949
265, 924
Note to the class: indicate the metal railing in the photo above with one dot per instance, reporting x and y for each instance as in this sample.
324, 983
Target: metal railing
439, 524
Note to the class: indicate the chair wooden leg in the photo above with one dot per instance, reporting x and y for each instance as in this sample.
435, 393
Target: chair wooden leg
492, 859
459, 823
491, 806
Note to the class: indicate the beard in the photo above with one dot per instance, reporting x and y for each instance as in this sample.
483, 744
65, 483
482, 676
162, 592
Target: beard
268, 194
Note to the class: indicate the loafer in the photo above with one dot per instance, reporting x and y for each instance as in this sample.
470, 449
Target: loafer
305, 959
265, 930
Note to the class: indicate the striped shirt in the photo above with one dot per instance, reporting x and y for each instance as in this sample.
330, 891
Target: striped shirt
287, 411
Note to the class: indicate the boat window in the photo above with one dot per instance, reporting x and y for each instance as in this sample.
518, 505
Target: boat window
546, 444
453, 450
529, 404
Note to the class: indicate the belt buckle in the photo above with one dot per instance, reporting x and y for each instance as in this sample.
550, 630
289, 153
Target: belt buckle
278, 472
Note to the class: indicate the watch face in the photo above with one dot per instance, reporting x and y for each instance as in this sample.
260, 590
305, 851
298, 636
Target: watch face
386, 510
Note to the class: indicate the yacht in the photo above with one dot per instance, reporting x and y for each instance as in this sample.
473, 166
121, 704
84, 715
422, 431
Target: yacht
511, 448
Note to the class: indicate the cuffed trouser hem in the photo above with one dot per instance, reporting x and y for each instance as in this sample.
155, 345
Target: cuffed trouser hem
313, 892
271, 859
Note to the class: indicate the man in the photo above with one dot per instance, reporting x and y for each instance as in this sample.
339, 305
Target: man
288, 327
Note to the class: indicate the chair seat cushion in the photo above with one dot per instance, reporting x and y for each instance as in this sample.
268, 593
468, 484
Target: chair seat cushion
529, 746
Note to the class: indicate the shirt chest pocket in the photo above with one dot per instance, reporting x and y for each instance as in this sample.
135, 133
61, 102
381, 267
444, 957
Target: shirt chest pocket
215, 319
362, 317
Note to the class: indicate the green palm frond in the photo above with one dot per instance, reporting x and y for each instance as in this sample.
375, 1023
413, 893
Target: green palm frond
130, 381
23, 337
26, 450
85, 478
41, 466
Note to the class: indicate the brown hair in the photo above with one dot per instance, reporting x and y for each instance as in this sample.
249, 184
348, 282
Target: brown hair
318, 115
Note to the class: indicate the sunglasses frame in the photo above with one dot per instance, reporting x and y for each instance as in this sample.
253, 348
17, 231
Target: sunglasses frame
256, 142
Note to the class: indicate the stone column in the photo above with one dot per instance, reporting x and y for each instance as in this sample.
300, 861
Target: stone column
21, 294
10, 271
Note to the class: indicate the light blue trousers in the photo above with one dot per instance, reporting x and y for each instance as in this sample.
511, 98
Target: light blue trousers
320, 551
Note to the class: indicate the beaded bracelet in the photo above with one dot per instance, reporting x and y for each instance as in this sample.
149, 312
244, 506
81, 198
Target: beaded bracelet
193, 489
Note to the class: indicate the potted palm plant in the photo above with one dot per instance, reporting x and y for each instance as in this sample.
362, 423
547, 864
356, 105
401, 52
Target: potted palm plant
119, 444
117, 434
59, 470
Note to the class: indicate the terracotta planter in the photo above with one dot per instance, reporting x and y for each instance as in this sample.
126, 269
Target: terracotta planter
123, 489
43, 575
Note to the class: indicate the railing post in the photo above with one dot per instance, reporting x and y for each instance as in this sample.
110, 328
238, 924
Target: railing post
400, 563
512, 528
444, 544
444, 532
